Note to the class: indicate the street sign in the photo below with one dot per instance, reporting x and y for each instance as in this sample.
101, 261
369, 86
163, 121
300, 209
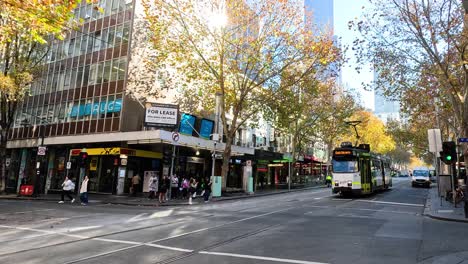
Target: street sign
218, 156
68, 165
123, 162
463, 140
175, 136
435, 140
41, 151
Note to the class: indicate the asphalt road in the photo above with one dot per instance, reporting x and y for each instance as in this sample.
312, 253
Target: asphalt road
305, 227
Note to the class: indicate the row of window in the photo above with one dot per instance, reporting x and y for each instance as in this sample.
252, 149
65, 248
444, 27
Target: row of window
91, 11
94, 108
86, 43
97, 73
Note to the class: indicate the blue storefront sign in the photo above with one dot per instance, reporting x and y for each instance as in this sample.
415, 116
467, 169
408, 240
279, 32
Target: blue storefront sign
206, 128
187, 123
113, 106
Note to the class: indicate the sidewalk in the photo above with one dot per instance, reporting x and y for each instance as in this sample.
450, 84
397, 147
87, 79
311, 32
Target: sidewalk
441, 209
144, 201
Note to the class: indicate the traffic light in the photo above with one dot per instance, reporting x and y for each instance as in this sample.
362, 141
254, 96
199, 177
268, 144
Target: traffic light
448, 155
83, 158
166, 156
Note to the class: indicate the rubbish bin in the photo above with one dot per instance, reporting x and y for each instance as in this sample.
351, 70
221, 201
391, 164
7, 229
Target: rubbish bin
217, 183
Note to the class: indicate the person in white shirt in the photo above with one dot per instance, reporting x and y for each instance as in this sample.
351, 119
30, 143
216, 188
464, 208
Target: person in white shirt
84, 191
67, 188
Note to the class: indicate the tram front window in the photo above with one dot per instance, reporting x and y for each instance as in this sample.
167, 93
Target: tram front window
344, 166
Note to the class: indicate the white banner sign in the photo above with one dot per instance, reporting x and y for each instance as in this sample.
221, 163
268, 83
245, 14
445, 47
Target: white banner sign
161, 115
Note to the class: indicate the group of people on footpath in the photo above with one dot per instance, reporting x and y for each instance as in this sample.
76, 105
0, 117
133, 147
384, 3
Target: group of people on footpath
180, 189
68, 187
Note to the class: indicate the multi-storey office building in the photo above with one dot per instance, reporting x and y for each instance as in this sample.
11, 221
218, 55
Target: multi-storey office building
80, 101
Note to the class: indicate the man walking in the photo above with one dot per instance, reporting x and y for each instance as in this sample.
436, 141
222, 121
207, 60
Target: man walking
67, 188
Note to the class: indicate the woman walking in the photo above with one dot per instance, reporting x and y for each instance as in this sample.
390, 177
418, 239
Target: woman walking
84, 191
67, 188
192, 189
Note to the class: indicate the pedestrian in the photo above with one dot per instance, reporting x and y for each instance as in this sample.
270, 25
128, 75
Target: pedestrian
153, 187
135, 183
84, 191
185, 186
162, 190
67, 188
167, 183
208, 184
328, 180
174, 186
192, 189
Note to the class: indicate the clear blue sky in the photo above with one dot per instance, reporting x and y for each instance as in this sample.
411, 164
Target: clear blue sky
344, 11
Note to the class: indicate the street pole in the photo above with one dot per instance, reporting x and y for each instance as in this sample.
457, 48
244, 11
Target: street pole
172, 171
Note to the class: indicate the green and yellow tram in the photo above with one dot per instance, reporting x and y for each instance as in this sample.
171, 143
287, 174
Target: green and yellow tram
356, 170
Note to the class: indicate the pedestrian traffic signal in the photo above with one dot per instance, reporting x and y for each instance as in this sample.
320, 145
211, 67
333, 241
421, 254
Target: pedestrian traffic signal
448, 155
83, 158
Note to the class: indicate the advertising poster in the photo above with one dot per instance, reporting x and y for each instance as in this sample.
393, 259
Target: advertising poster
146, 179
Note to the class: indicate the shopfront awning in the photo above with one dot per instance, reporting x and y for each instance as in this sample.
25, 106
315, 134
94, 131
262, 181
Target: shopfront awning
132, 138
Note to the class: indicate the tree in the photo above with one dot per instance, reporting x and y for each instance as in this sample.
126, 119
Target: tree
25, 27
236, 49
371, 131
419, 45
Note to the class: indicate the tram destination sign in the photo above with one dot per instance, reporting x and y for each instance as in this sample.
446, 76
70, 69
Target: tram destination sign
161, 115
343, 152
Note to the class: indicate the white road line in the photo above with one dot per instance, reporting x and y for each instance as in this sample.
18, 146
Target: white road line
25, 212
391, 203
169, 248
260, 258
358, 209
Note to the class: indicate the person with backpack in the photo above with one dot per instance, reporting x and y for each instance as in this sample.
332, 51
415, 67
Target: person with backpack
67, 189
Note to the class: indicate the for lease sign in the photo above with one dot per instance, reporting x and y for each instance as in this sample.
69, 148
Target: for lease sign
161, 115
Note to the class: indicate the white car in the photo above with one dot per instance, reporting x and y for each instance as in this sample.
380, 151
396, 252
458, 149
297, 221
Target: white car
421, 177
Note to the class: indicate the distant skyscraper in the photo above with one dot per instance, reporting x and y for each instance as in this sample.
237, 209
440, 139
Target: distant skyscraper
322, 14
322, 11
384, 108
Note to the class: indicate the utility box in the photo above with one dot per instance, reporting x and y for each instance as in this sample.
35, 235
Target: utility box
216, 185
445, 184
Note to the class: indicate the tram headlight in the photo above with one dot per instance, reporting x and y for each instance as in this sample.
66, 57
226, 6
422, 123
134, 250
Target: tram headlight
337, 183
350, 184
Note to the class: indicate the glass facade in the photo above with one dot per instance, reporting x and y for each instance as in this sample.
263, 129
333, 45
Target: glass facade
81, 86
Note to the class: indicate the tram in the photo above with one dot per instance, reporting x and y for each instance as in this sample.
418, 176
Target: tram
358, 171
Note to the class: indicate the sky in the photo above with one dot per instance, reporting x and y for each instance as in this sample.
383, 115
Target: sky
344, 11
